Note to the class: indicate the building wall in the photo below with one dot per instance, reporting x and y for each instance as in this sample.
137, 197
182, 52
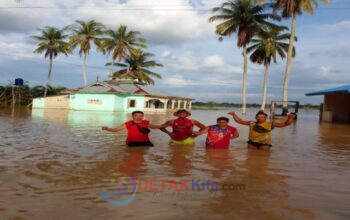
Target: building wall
336, 108
95, 102
39, 103
105, 102
139, 103
56, 102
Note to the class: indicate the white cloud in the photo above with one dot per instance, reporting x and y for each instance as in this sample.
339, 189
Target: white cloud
177, 80
340, 26
213, 61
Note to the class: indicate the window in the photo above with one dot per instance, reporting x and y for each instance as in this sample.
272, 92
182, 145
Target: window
132, 103
94, 101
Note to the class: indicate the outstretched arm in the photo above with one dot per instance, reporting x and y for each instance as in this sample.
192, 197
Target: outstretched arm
238, 119
116, 129
290, 120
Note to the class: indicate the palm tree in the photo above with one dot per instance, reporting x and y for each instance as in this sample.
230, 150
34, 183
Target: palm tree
137, 66
83, 34
291, 9
52, 43
265, 48
121, 43
245, 19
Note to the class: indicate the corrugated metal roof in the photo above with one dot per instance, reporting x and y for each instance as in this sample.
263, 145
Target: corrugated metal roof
341, 89
111, 86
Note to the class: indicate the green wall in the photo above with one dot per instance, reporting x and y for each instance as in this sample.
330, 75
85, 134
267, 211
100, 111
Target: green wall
38, 103
104, 102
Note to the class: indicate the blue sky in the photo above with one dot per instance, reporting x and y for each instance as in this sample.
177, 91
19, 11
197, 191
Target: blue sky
195, 63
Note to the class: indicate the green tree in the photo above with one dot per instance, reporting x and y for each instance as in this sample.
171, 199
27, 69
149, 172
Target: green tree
137, 66
122, 43
291, 9
266, 47
85, 33
51, 42
245, 19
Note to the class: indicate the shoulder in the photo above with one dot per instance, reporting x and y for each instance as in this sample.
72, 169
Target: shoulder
128, 123
145, 122
233, 129
212, 126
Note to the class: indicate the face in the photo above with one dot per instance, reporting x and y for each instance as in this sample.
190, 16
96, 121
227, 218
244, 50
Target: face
261, 118
222, 123
182, 115
137, 117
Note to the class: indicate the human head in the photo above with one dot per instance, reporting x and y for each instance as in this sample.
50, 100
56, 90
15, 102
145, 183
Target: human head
261, 116
182, 113
222, 122
137, 115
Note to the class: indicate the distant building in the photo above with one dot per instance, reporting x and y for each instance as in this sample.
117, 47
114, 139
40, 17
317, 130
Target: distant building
336, 104
123, 95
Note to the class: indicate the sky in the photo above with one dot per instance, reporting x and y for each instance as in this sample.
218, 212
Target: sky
195, 63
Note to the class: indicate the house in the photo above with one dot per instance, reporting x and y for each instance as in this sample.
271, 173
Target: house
122, 95
336, 104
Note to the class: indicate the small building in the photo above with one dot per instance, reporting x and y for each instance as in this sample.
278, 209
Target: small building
115, 95
336, 104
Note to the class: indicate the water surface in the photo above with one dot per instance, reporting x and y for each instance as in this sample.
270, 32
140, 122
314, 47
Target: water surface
53, 165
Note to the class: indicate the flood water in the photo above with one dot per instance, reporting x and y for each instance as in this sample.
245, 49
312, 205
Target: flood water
53, 165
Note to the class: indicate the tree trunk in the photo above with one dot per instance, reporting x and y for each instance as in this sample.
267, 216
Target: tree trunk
244, 80
289, 63
263, 103
84, 70
48, 78
111, 68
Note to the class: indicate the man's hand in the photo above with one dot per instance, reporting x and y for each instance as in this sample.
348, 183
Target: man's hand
232, 113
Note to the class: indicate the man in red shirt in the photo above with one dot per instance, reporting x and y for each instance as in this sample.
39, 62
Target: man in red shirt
219, 135
182, 133
137, 130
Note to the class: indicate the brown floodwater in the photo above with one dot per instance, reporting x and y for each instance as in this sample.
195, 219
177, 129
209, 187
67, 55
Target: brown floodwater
54, 165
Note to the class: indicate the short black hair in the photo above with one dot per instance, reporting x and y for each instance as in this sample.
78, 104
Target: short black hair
261, 112
136, 112
222, 118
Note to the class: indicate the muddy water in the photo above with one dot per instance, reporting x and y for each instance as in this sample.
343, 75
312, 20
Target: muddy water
54, 164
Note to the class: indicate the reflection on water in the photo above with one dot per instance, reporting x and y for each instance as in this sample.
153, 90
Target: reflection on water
53, 164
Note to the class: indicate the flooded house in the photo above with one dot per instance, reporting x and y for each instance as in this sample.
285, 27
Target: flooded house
124, 95
336, 104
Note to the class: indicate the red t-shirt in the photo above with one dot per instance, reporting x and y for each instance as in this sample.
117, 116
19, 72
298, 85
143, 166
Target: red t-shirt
219, 138
134, 135
182, 128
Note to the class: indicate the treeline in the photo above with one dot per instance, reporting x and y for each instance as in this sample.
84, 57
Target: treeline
23, 95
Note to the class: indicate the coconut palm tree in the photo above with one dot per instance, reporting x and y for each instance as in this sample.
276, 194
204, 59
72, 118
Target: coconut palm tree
265, 47
121, 43
52, 42
137, 66
245, 19
85, 33
291, 9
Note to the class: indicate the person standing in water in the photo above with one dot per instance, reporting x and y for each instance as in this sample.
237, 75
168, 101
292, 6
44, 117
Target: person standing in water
260, 130
182, 133
138, 130
219, 135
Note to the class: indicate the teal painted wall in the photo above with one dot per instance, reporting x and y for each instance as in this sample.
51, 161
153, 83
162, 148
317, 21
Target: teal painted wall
38, 103
93, 102
139, 103
104, 102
